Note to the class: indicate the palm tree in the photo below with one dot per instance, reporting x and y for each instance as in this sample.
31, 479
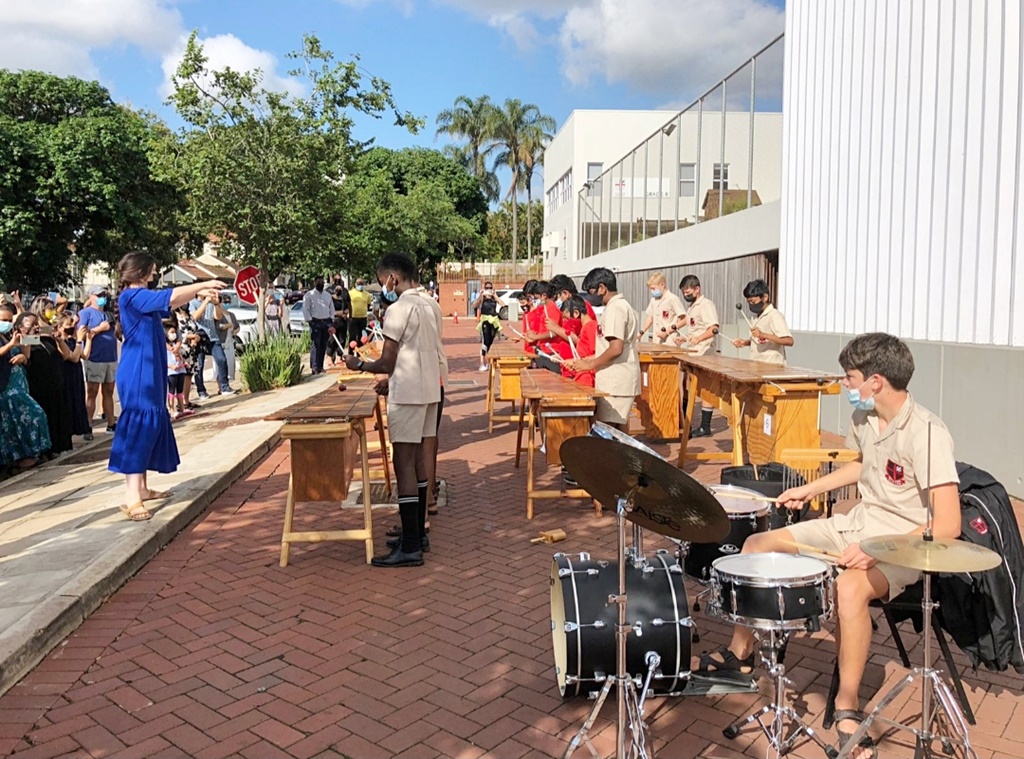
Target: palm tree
489, 184
470, 120
513, 128
534, 145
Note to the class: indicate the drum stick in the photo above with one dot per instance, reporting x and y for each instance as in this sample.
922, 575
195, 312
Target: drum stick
739, 307
745, 496
813, 549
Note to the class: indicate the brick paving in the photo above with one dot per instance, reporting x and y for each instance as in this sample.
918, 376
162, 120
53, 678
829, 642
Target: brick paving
214, 651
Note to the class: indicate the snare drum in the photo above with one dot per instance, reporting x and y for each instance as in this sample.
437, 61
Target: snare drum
745, 518
583, 622
772, 591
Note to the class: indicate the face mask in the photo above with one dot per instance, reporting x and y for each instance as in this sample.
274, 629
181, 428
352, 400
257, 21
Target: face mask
320, 287
594, 299
359, 288
858, 403
656, 293
151, 284
48, 314
101, 302
756, 308
572, 326
172, 337
6, 327
389, 294
689, 298
559, 302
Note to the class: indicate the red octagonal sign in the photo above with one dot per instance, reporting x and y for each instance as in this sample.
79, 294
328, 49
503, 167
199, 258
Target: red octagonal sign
247, 284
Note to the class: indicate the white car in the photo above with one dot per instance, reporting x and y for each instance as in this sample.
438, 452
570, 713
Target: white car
296, 324
510, 308
246, 315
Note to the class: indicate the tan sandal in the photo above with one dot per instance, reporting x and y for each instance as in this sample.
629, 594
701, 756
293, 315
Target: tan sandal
157, 495
136, 513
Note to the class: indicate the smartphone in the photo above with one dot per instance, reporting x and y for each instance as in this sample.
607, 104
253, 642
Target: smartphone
52, 296
31, 340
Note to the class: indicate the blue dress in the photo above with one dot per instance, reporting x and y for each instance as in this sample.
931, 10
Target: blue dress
24, 433
144, 440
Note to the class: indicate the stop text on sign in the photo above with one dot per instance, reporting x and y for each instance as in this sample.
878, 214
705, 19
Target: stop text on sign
247, 284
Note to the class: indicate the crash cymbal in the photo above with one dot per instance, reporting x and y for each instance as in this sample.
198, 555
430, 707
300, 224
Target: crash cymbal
935, 555
666, 500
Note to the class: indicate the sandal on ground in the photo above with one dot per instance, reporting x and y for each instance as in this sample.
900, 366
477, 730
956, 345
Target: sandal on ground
157, 495
432, 509
136, 513
729, 662
867, 742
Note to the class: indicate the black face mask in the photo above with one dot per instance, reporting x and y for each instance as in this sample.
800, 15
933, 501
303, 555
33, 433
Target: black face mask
594, 299
320, 287
756, 308
690, 298
151, 284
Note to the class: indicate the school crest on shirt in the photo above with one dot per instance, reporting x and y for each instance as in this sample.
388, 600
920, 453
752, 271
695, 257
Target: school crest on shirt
664, 314
894, 473
979, 525
600, 331
693, 322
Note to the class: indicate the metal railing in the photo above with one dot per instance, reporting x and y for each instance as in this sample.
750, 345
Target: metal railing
720, 154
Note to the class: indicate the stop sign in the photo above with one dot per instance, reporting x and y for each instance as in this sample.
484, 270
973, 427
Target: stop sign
247, 284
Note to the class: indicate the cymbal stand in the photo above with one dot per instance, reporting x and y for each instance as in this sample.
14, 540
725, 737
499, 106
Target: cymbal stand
941, 717
630, 728
782, 713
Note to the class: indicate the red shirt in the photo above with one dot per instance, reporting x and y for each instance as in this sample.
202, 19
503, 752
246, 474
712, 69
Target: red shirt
533, 322
558, 344
586, 347
590, 310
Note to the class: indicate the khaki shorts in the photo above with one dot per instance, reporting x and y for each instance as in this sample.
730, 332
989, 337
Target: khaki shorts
411, 422
100, 372
837, 533
613, 409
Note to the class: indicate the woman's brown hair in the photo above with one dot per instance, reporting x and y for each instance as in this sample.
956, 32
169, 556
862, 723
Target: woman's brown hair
135, 267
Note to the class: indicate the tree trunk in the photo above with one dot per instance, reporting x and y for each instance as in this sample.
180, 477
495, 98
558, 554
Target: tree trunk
261, 300
515, 221
529, 228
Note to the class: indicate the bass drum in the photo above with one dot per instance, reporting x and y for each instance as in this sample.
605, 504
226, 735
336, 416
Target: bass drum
583, 622
600, 429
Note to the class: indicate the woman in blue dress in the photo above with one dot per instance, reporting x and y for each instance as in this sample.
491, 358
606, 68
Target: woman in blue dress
144, 439
24, 433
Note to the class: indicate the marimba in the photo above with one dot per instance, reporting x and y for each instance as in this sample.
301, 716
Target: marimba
323, 432
504, 361
770, 408
660, 401
563, 409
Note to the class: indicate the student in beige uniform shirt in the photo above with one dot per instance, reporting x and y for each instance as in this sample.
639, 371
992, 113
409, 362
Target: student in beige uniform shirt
615, 362
696, 331
896, 476
769, 333
410, 358
662, 312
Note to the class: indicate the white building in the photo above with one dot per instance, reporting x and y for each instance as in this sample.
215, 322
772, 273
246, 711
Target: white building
597, 201
901, 209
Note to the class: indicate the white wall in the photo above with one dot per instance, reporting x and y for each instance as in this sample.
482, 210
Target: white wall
903, 207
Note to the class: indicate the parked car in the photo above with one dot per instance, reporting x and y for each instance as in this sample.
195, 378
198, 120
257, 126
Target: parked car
511, 300
247, 318
296, 324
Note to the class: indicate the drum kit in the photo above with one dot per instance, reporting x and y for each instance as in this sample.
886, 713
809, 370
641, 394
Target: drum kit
626, 623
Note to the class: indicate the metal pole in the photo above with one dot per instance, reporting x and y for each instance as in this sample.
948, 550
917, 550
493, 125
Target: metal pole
750, 134
679, 163
721, 164
647, 170
621, 631
696, 168
632, 194
622, 188
661, 170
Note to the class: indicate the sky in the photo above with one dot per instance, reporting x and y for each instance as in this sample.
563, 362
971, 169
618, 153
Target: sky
558, 54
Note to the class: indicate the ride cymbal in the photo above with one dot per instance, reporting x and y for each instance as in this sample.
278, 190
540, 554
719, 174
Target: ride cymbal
666, 500
935, 555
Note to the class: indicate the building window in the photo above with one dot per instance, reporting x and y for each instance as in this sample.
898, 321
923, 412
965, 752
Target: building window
720, 179
687, 180
594, 171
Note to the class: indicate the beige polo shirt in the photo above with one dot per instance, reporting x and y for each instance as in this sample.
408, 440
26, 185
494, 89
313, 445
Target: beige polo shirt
701, 315
894, 479
416, 378
664, 311
435, 307
773, 322
622, 376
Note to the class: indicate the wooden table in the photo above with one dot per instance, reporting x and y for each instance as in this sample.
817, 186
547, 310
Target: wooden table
504, 361
323, 432
660, 402
565, 409
769, 407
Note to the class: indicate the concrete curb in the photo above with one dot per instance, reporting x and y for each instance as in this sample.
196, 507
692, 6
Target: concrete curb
49, 623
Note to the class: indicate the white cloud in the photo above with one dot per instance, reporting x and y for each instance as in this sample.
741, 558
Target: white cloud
661, 47
226, 50
59, 36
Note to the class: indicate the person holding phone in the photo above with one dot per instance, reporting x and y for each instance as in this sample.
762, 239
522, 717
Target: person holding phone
24, 433
101, 364
486, 307
46, 374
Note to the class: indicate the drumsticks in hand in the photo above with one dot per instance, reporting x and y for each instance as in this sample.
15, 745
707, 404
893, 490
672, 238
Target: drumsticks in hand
812, 549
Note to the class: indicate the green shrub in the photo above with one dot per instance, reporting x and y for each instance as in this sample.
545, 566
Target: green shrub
275, 361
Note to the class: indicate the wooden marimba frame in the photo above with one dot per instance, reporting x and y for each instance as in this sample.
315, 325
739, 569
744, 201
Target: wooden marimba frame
564, 409
660, 401
504, 362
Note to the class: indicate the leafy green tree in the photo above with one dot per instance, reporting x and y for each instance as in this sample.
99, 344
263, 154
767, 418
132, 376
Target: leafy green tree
501, 231
415, 200
76, 181
265, 170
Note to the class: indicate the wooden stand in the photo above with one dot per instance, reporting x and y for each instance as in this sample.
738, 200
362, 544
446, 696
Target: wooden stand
323, 433
562, 409
660, 401
769, 407
504, 362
